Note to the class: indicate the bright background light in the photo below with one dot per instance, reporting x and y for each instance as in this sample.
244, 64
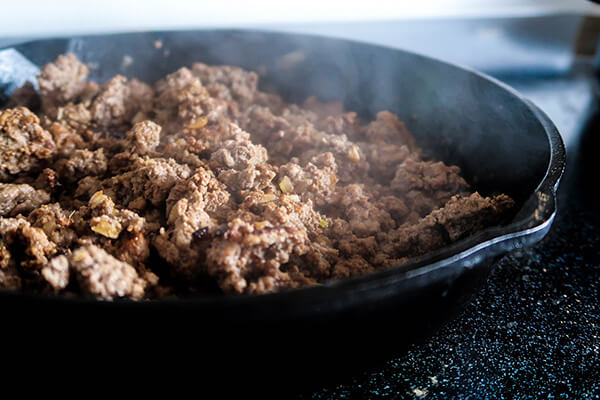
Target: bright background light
43, 17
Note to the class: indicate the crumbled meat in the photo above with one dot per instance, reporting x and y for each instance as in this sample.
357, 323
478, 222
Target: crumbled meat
47, 181
118, 101
59, 225
56, 273
198, 204
168, 88
81, 163
427, 185
196, 107
18, 232
363, 215
240, 85
384, 158
128, 190
462, 216
265, 126
144, 137
252, 177
202, 186
207, 140
395, 206
62, 80
366, 247
459, 217
239, 154
387, 128
316, 181
20, 199
353, 266
183, 103
87, 186
121, 232
149, 181
246, 259
73, 116
24, 144
65, 138
352, 164
341, 124
101, 275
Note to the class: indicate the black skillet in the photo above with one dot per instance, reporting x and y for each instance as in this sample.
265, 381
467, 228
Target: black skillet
502, 142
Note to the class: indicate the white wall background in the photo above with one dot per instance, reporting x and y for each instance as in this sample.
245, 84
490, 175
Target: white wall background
44, 17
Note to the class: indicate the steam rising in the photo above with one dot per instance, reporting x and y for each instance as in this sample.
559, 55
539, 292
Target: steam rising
461, 117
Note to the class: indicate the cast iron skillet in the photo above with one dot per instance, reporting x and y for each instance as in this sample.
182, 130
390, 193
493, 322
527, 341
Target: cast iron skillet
502, 142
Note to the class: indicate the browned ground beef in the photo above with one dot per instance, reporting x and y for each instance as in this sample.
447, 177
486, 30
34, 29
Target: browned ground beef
126, 190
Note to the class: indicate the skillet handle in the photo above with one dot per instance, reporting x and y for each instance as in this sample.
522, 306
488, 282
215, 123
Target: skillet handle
544, 199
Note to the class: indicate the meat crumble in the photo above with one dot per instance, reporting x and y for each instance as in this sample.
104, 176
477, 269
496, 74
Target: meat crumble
201, 181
